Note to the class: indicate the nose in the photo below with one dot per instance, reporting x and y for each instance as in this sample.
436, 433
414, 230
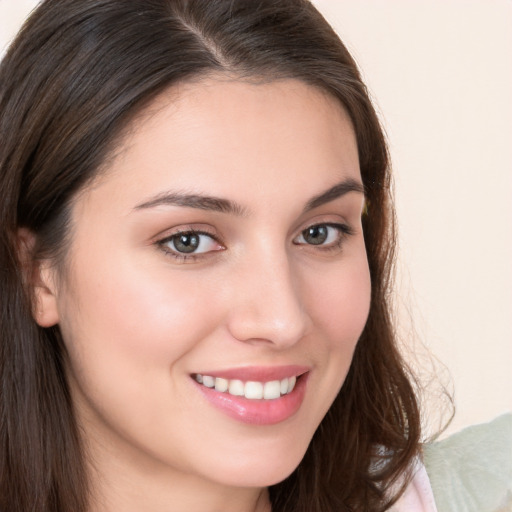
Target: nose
267, 303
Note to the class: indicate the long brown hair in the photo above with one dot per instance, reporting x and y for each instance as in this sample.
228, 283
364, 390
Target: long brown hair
70, 83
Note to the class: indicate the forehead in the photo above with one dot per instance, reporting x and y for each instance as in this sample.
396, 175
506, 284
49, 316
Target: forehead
219, 132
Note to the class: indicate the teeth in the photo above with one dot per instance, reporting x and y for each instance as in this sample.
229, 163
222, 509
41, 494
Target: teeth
252, 390
209, 382
221, 384
272, 390
291, 383
236, 388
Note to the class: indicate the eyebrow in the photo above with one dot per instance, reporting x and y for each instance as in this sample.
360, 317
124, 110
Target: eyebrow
221, 205
198, 201
335, 192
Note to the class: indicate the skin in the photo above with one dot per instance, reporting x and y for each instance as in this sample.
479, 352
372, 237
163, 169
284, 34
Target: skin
137, 322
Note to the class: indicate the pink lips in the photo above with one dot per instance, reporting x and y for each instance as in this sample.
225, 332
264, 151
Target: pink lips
258, 412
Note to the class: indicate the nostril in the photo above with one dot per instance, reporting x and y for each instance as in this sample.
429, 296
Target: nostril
267, 307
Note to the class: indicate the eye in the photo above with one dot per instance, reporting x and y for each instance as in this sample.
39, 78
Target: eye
191, 243
325, 235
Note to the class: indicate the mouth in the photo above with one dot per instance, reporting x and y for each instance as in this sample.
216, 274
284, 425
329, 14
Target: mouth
252, 390
258, 396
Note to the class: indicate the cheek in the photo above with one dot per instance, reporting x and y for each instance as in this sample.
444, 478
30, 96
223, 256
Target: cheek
128, 336
148, 314
128, 341
340, 303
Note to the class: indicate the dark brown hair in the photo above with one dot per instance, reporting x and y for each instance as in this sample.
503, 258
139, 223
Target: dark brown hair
77, 74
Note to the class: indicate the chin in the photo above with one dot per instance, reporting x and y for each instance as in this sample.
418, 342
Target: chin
262, 467
266, 476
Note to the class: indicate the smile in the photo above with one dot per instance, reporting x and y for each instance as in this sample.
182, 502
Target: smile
252, 390
255, 395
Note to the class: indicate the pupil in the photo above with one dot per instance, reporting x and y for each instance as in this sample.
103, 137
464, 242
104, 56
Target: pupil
315, 235
186, 243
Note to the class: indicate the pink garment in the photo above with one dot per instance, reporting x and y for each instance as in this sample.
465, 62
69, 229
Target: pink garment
418, 496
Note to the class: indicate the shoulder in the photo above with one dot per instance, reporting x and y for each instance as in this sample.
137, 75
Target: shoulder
471, 471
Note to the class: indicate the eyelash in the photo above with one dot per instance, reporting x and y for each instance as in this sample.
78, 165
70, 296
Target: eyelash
184, 257
343, 232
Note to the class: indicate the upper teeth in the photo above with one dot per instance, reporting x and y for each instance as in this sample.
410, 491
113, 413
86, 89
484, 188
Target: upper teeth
250, 389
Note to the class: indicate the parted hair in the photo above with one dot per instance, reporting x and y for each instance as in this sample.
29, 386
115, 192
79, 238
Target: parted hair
70, 84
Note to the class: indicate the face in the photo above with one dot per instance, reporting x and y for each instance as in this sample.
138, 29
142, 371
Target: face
221, 247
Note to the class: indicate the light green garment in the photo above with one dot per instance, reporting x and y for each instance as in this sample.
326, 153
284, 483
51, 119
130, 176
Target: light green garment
471, 471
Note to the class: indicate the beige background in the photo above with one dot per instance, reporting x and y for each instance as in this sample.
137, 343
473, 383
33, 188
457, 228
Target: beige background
440, 72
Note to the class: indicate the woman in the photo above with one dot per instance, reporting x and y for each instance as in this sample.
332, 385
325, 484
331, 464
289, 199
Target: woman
197, 236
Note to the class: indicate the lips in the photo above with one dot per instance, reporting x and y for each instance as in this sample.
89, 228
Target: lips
256, 395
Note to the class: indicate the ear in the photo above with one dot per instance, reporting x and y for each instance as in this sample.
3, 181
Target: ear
39, 278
